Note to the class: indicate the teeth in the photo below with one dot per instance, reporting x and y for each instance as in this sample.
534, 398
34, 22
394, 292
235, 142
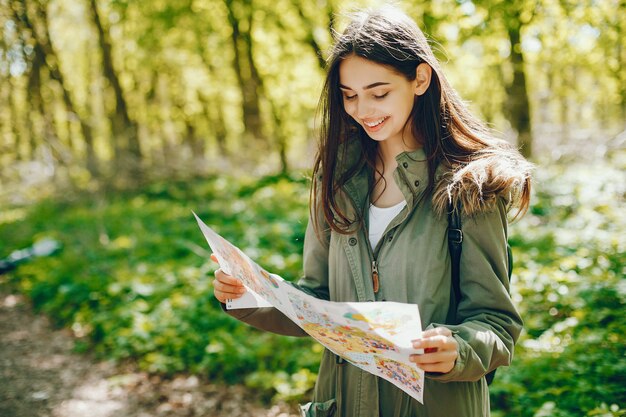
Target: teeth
376, 123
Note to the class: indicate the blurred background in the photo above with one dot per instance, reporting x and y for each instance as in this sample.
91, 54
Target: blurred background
117, 118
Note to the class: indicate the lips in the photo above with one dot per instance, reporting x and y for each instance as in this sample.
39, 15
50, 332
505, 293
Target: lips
375, 124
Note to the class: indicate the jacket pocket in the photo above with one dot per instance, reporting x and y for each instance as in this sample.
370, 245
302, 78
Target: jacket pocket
325, 409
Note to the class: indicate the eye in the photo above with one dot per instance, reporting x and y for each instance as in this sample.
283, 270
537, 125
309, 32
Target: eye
381, 96
348, 98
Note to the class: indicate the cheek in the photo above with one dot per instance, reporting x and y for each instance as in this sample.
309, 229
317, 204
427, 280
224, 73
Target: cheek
401, 108
410, 102
350, 108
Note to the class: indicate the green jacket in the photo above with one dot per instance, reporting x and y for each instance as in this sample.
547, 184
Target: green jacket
414, 267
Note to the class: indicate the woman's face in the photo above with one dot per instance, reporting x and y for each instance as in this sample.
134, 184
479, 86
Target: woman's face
377, 98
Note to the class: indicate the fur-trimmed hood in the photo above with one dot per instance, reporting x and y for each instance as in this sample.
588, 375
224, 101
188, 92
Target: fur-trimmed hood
475, 187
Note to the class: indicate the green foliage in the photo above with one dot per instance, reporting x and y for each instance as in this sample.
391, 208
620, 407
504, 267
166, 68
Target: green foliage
132, 282
569, 265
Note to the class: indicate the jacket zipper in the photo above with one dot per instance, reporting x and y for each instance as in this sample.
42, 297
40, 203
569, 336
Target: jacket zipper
374, 271
375, 281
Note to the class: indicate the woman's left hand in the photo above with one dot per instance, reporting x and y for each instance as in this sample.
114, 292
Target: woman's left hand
440, 350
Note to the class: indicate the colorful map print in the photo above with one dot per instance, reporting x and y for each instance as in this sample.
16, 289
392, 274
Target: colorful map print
375, 336
359, 359
379, 320
344, 339
400, 374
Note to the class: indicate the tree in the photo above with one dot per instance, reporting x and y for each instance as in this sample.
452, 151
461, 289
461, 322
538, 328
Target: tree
517, 91
45, 48
40, 123
512, 17
241, 23
10, 43
124, 130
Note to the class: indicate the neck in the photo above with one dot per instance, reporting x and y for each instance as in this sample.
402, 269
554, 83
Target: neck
389, 149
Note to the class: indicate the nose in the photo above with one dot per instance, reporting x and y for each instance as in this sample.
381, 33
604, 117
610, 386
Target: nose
364, 109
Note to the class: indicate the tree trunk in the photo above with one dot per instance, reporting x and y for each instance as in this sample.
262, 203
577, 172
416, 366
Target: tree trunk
220, 130
564, 119
124, 130
247, 75
310, 36
281, 140
255, 83
152, 124
197, 147
14, 116
33, 94
216, 117
43, 42
167, 134
517, 93
46, 123
621, 60
15, 121
35, 122
5, 103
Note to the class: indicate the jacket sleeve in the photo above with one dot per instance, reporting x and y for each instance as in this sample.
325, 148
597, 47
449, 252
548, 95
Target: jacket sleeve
489, 322
314, 282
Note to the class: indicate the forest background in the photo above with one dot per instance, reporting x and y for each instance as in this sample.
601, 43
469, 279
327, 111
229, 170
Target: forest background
117, 118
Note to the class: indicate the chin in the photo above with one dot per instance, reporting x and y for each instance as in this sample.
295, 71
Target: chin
379, 139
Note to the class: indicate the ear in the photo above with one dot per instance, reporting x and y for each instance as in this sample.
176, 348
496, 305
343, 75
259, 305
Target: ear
423, 74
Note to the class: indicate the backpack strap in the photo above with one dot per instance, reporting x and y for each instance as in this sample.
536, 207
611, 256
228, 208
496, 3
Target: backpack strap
455, 245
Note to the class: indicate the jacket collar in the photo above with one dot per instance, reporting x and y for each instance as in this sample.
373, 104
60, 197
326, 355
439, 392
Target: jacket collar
411, 176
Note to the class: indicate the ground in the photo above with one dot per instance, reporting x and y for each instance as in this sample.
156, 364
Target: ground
41, 376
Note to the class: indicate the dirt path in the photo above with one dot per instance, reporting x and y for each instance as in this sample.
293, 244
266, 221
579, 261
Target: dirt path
40, 376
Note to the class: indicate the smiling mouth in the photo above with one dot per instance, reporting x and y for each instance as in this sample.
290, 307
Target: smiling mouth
376, 122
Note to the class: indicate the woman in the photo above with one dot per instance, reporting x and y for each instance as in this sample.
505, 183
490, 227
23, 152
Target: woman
398, 149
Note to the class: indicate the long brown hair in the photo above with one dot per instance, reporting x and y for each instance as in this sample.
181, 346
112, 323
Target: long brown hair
449, 133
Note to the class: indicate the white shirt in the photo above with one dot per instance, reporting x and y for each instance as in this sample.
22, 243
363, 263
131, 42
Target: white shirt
380, 219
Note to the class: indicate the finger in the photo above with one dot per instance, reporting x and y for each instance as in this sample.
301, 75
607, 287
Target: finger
214, 258
225, 294
435, 334
437, 331
436, 357
438, 342
227, 288
223, 297
224, 278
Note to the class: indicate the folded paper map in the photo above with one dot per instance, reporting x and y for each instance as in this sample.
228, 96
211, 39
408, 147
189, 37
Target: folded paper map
374, 336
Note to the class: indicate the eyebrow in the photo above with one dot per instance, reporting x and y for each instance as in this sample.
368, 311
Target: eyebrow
367, 87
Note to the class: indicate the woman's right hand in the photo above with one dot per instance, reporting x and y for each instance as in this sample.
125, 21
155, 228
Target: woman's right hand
226, 287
